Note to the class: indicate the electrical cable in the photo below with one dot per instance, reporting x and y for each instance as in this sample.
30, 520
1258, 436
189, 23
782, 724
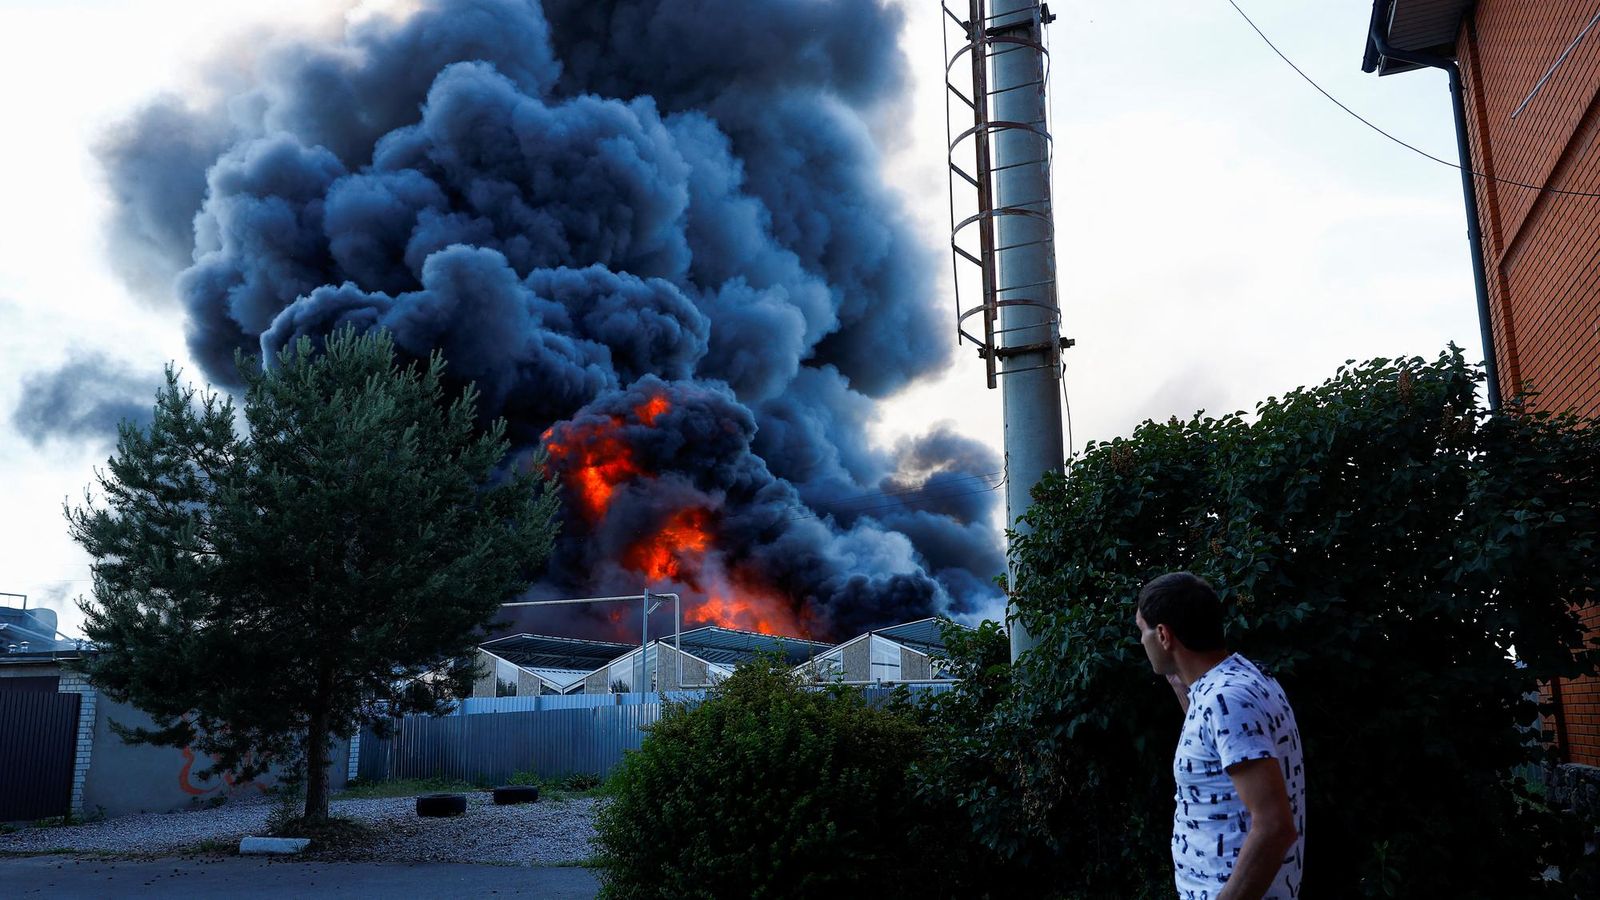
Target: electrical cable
1067, 402
1050, 128
1358, 117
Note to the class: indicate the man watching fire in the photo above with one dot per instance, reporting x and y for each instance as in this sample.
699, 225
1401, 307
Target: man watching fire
1238, 829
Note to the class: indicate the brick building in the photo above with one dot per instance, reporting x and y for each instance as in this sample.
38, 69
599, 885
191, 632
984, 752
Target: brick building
1527, 103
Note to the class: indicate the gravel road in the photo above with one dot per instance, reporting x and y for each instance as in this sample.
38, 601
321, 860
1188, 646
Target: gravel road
540, 833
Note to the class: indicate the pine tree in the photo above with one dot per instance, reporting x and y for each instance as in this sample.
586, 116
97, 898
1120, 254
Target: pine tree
261, 593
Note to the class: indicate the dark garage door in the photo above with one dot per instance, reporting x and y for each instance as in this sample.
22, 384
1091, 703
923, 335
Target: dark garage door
38, 744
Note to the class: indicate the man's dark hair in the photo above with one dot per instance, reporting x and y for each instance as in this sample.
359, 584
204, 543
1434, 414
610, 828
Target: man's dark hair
1188, 606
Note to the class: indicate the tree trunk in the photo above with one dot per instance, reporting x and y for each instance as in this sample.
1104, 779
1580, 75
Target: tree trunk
317, 752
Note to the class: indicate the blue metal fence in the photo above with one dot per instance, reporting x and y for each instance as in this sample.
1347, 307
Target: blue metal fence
492, 747
536, 703
490, 739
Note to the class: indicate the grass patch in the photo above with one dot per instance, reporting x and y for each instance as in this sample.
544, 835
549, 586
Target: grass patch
554, 790
564, 788
410, 787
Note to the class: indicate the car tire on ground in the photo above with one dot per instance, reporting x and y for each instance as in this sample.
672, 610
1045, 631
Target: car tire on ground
440, 805
508, 794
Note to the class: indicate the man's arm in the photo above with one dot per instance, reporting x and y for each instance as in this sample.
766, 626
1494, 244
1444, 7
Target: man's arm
1259, 783
1182, 692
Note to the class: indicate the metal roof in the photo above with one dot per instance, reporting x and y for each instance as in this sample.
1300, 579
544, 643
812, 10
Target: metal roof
538, 651
1423, 26
726, 646
560, 680
924, 635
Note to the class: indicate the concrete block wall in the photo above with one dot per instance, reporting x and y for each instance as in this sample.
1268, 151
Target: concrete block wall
915, 666
484, 684
122, 779
695, 671
858, 659
1542, 250
528, 684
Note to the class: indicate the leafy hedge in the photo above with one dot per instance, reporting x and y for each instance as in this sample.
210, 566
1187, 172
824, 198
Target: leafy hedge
768, 789
1406, 563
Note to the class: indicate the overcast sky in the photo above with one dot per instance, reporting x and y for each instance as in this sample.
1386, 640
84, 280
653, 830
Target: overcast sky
1224, 233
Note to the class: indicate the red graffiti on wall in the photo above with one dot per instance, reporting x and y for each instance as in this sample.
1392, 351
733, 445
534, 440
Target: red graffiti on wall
187, 785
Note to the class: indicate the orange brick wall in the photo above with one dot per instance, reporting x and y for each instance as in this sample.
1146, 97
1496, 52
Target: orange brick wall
1542, 250
1580, 706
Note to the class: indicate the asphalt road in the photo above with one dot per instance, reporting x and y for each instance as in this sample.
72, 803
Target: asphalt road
245, 879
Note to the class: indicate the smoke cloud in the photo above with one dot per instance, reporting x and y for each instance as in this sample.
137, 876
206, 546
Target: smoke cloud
654, 230
83, 401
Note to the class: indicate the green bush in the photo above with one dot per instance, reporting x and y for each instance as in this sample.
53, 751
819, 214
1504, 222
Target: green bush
1406, 563
767, 789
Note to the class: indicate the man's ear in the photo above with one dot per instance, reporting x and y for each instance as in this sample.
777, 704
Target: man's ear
1164, 637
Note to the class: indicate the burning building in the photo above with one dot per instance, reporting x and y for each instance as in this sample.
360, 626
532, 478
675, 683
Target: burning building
661, 250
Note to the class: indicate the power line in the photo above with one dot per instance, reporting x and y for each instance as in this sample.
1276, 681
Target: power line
1363, 120
1068, 403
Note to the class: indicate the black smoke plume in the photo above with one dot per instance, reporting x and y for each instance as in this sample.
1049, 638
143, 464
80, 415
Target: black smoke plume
589, 207
82, 401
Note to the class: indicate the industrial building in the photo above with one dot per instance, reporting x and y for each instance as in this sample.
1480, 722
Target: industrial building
701, 658
31, 633
526, 665
912, 652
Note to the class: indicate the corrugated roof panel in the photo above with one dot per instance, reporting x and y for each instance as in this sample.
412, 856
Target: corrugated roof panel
923, 635
728, 646
544, 651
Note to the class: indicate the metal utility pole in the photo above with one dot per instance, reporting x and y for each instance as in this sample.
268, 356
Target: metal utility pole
1004, 251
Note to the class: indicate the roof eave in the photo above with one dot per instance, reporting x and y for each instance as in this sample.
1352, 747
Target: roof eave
1404, 16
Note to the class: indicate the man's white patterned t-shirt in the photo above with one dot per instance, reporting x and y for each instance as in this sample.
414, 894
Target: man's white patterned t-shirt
1236, 713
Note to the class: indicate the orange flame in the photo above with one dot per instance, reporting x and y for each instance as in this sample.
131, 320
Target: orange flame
747, 610
597, 462
596, 458
676, 550
650, 410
